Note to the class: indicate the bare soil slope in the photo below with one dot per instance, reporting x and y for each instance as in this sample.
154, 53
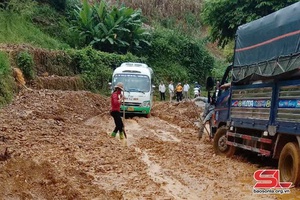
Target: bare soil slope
56, 145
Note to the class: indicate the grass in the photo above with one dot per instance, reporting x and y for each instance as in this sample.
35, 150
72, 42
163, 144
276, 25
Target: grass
7, 85
17, 30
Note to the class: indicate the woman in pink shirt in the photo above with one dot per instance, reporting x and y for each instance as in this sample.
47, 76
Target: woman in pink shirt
116, 100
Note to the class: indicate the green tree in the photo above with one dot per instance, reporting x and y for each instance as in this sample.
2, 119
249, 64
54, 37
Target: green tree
178, 57
224, 16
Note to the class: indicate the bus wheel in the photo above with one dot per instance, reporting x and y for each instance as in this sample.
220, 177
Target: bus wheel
220, 146
289, 163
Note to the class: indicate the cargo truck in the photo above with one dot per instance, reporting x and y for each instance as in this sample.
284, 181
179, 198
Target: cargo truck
258, 106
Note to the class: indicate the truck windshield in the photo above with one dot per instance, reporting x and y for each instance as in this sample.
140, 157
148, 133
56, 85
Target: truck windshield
133, 82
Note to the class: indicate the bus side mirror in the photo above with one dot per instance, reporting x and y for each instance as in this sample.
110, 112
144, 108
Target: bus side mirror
209, 83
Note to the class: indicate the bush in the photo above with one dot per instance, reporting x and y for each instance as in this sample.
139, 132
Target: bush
96, 67
171, 71
178, 57
26, 64
7, 84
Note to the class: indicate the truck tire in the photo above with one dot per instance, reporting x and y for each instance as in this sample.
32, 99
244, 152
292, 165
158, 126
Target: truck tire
220, 146
289, 163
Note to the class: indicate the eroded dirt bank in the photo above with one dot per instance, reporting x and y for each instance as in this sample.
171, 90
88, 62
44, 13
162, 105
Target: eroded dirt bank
56, 145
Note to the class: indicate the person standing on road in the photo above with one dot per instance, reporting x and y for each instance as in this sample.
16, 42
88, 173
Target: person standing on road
116, 101
207, 115
162, 90
186, 88
171, 90
179, 92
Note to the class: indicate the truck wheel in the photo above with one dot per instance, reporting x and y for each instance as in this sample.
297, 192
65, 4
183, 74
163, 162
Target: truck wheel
148, 115
289, 163
220, 146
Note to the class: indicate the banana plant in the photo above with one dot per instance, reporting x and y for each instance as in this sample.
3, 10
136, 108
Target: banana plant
84, 21
110, 29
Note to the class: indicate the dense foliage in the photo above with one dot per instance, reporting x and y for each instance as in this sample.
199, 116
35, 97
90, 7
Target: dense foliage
172, 54
178, 57
170, 44
96, 67
109, 29
224, 16
93, 29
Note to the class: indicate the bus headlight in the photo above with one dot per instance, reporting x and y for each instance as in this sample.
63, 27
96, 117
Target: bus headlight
145, 104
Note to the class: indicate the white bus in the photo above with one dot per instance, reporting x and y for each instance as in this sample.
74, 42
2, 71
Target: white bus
138, 91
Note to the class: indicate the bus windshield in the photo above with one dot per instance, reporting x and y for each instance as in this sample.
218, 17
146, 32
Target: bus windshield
133, 82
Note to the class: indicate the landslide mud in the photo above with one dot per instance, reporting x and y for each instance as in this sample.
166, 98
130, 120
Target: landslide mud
56, 145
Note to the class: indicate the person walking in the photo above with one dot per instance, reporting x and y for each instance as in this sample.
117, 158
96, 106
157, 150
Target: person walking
162, 90
179, 92
116, 101
186, 88
171, 90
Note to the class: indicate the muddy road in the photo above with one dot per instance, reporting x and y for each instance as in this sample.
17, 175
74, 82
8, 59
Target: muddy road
56, 145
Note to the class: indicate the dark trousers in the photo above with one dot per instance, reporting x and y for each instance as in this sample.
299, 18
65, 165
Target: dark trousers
179, 96
162, 96
118, 121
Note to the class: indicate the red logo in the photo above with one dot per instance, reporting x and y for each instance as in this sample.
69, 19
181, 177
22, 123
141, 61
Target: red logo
269, 178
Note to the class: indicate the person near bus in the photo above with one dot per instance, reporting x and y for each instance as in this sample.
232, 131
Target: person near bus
162, 90
186, 88
171, 90
179, 92
116, 101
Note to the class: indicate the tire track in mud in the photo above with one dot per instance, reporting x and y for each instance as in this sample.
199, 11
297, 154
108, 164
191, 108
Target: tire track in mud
171, 185
186, 168
174, 186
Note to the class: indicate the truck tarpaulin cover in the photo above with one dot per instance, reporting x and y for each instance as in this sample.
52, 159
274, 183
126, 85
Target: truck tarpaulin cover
268, 38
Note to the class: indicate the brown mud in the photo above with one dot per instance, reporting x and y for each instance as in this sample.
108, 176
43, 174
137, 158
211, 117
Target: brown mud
56, 145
